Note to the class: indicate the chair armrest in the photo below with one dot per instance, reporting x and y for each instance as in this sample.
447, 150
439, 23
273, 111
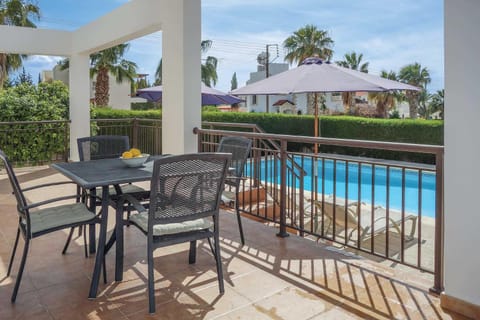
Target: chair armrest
47, 185
41, 203
124, 198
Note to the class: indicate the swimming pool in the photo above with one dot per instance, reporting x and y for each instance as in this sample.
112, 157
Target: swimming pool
271, 170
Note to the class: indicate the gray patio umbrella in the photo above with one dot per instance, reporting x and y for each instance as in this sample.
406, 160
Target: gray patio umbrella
314, 75
210, 96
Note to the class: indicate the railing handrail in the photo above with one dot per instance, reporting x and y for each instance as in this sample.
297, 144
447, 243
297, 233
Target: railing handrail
34, 122
392, 146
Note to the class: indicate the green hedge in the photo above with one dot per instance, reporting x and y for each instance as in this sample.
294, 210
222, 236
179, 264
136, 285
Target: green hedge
342, 127
345, 127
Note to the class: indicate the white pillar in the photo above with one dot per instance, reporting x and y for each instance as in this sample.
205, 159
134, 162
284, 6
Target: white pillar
181, 100
79, 86
462, 150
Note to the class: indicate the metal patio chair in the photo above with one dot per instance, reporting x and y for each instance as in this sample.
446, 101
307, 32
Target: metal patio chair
240, 148
42, 220
184, 206
105, 147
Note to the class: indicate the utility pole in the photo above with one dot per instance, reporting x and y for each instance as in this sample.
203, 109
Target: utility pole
267, 72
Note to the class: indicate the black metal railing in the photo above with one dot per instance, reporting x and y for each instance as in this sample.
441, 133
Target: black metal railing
145, 134
389, 209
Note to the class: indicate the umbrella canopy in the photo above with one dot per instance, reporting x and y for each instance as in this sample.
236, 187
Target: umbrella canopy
210, 96
315, 75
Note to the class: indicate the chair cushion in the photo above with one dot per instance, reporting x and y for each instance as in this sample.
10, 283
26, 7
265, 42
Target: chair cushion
141, 220
126, 188
64, 215
228, 196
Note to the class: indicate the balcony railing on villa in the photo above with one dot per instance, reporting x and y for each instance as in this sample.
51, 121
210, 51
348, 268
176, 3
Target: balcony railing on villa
389, 209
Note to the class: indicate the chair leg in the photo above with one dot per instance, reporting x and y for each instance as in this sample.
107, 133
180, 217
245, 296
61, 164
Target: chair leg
239, 219
80, 228
151, 288
69, 238
104, 271
192, 254
13, 252
20, 270
219, 262
85, 246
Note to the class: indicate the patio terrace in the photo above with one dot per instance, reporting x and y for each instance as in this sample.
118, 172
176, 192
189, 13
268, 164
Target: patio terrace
269, 278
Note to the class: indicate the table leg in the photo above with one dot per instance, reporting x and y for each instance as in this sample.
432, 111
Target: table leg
119, 243
92, 204
99, 259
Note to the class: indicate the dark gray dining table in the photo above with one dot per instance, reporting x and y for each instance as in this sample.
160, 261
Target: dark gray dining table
102, 173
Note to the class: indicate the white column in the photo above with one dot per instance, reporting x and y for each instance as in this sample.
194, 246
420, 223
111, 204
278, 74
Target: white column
181, 101
79, 86
462, 150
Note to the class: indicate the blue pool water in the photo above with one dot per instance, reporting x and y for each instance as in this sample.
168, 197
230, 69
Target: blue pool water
380, 182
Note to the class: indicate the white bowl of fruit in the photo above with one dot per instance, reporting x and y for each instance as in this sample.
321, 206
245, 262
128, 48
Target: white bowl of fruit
134, 158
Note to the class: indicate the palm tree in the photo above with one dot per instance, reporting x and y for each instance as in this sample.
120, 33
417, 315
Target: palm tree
437, 102
209, 68
15, 13
352, 61
104, 63
111, 61
414, 75
385, 101
307, 42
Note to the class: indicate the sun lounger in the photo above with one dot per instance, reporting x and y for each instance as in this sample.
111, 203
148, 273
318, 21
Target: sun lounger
360, 219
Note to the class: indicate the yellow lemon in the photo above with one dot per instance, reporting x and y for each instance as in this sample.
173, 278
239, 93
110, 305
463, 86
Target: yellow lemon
135, 152
127, 155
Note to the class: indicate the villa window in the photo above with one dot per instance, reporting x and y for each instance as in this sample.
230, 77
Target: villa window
254, 99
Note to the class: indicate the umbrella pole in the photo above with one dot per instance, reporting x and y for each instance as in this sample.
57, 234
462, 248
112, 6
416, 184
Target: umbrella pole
315, 147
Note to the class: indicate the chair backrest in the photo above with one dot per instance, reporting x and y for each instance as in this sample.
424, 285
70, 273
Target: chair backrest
17, 191
352, 216
102, 147
186, 187
240, 148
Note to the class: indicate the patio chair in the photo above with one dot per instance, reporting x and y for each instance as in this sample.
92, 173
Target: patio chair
184, 205
105, 147
240, 148
44, 218
362, 223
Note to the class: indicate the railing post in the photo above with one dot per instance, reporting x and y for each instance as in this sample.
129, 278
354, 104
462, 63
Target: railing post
135, 133
438, 254
283, 190
66, 140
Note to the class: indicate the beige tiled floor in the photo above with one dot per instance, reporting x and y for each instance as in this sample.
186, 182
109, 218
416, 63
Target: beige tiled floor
269, 278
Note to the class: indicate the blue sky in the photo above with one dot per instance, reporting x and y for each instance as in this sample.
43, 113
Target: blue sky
389, 33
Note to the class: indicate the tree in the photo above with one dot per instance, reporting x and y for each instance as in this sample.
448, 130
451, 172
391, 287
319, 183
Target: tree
307, 42
104, 63
234, 82
209, 74
385, 101
437, 102
352, 61
15, 13
24, 78
110, 61
415, 75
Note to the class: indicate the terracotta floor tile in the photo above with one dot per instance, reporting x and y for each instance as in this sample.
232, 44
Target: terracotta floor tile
267, 278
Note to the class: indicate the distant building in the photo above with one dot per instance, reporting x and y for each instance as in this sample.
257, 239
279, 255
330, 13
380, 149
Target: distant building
119, 92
